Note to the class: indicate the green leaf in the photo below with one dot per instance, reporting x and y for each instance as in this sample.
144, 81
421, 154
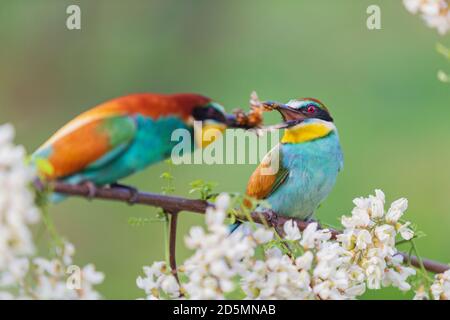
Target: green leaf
166, 176
204, 188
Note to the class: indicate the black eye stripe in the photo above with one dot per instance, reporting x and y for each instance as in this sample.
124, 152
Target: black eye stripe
318, 113
208, 113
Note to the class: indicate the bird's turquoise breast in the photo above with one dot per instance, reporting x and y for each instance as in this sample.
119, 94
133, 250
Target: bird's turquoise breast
151, 144
313, 167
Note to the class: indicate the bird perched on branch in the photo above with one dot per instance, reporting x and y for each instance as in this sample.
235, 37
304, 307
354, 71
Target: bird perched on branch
300, 172
122, 136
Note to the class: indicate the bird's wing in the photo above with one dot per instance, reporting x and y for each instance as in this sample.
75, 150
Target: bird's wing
269, 175
90, 140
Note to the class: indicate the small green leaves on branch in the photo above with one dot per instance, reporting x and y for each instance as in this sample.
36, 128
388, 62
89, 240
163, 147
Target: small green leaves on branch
204, 189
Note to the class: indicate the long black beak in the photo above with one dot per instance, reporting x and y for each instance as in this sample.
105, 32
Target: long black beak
291, 116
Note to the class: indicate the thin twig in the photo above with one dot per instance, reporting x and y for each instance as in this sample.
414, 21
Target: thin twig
173, 244
173, 204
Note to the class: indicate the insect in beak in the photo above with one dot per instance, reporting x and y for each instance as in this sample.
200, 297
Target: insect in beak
290, 115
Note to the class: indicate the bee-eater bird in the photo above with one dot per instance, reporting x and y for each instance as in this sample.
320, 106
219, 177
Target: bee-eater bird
308, 159
125, 135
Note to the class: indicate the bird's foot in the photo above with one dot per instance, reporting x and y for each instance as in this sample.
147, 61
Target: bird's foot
134, 193
271, 217
92, 189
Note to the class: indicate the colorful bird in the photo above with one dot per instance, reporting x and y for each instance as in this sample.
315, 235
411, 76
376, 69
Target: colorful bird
300, 172
125, 135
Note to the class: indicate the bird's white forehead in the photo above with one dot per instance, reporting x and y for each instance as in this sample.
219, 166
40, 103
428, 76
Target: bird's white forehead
294, 103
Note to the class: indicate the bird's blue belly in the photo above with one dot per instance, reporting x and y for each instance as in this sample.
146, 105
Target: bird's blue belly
313, 167
151, 144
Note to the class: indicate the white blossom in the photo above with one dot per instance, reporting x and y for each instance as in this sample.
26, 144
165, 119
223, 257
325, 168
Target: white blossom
370, 237
377, 204
385, 233
18, 213
435, 13
311, 236
363, 239
158, 282
404, 231
17, 208
52, 277
263, 235
440, 289
218, 257
305, 261
291, 230
421, 294
276, 277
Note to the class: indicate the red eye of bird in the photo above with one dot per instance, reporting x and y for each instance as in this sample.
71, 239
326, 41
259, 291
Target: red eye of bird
311, 109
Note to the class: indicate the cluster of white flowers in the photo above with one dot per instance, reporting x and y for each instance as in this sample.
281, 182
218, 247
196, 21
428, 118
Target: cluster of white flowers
22, 275
303, 265
320, 272
370, 236
435, 13
439, 290
17, 209
158, 282
219, 257
52, 279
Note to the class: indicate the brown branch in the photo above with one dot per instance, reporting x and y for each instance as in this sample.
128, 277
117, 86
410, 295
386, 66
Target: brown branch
172, 204
173, 244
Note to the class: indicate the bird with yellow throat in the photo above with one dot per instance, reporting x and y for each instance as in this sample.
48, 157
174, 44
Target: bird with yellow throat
300, 172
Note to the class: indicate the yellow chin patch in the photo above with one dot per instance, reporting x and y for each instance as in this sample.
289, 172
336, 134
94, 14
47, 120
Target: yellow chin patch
209, 133
306, 132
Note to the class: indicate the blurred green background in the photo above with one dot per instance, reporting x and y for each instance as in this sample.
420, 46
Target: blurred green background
381, 87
